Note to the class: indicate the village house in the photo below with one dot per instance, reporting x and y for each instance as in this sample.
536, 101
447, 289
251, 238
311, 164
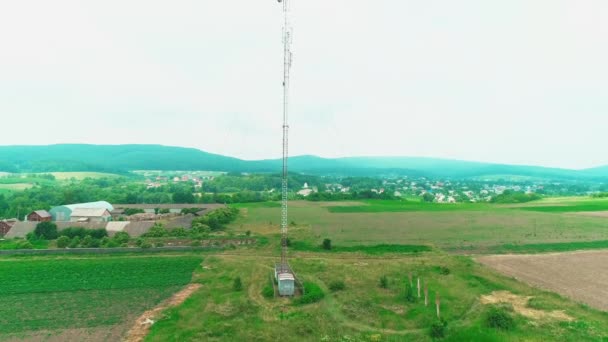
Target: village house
39, 216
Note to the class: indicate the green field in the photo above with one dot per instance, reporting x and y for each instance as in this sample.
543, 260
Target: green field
40, 296
363, 311
82, 175
466, 228
16, 186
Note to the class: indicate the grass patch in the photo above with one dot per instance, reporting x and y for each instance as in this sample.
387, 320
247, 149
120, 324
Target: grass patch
372, 250
550, 247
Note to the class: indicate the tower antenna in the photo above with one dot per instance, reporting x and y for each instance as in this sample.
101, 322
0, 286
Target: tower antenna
283, 272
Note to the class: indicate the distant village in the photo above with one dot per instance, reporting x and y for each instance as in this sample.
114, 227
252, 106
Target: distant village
136, 220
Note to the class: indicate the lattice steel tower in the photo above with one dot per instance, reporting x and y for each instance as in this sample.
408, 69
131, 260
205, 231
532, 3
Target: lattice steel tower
287, 58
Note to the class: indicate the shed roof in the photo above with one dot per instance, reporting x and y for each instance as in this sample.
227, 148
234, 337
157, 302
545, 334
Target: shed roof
285, 276
90, 212
100, 204
42, 213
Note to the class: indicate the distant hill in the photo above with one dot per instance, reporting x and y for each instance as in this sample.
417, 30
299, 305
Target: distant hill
124, 158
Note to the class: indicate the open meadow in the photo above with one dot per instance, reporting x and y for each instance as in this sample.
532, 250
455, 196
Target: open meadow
463, 228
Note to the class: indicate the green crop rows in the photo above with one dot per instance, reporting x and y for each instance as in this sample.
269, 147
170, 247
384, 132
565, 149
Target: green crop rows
78, 293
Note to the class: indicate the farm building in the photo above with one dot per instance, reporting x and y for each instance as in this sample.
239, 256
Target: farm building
6, 225
63, 213
39, 216
90, 215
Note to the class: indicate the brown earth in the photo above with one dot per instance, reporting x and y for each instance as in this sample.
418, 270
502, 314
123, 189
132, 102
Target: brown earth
582, 276
142, 325
592, 213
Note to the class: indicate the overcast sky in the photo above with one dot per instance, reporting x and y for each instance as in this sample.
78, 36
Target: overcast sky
516, 81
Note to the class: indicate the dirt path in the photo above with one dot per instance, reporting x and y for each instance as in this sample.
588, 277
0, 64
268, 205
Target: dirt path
142, 325
582, 276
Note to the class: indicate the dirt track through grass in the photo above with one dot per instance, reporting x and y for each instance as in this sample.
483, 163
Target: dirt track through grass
581, 276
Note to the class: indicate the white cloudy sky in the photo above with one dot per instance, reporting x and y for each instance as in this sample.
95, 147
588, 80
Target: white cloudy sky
515, 81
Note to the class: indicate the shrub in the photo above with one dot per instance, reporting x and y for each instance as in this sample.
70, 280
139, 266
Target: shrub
443, 270
86, 242
326, 244
46, 230
112, 244
63, 242
437, 329
139, 242
157, 231
97, 233
237, 285
178, 232
132, 211
159, 244
146, 245
95, 243
268, 291
248, 233
122, 237
499, 318
72, 232
25, 245
383, 282
337, 285
164, 211
75, 242
409, 293
312, 294
196, 243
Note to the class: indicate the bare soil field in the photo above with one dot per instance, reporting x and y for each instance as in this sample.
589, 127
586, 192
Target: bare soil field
603, 214
581, 276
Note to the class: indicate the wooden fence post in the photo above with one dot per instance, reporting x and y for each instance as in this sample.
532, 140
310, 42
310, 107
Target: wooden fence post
426, 295
438, 304
418, 287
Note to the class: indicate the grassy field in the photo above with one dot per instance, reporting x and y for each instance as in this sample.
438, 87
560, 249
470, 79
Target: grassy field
47, 296
81, 175
363, 311
16, 186
479, 227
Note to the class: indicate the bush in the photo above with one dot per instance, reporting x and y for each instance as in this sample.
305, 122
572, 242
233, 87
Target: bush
95, 243
164, 211
63, 242
157, 231
326, 244
139, 242
268, 291
122, 237
72, 232
196, 243
132, 211
112, 244
437, 329
409, 293
178, 232
337, 285
383, 282
237, 285
146, 245
312, 294
25, 245
86, 242
75, 242
159, 244
97, 233
46, 230
499, 318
